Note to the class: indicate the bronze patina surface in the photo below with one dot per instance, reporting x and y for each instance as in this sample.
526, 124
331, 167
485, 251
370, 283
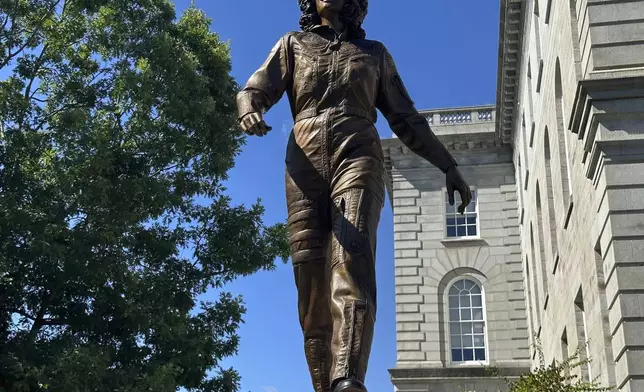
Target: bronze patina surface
335, 80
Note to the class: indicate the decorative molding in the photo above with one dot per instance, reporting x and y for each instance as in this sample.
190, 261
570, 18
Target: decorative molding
510, 42
600, 89
456, 117
486, 115
461, 115
603, 150
473, 142
463, 242
427, 374
593, 106
389, 181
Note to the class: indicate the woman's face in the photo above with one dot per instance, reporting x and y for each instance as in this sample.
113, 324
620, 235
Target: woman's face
329, 8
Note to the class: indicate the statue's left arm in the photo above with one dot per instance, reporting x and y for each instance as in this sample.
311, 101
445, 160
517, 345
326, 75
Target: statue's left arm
411, 128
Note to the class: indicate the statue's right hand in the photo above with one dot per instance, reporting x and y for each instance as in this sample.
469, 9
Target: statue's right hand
253, 124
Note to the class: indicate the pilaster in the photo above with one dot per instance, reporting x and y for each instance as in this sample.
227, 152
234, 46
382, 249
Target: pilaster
609, 122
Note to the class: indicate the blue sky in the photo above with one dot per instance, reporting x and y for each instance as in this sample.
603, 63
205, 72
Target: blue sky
446, 52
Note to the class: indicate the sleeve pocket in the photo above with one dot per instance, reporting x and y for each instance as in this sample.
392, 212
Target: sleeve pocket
401, 87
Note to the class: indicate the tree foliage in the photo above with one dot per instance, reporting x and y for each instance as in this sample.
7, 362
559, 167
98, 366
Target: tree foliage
117, 129
559, 376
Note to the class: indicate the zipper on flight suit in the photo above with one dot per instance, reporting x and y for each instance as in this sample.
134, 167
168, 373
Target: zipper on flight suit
335, 46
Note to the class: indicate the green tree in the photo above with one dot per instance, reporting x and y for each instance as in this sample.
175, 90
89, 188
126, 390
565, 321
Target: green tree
559, 376
117, 128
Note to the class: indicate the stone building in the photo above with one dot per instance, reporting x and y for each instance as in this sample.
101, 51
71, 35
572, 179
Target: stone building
553, 244
459, 278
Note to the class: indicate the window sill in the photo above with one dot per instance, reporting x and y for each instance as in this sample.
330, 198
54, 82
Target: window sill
463, 241
469, 364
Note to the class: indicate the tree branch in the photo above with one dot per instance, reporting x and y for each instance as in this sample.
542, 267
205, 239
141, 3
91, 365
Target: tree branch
4, 22
43, 322
55, 112
22, 313
10, 56
37, 66
39, 320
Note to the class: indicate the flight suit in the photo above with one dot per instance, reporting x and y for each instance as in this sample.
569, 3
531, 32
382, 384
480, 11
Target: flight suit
335, 184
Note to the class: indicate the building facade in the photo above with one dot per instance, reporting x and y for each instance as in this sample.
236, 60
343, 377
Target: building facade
553, 245
460, 302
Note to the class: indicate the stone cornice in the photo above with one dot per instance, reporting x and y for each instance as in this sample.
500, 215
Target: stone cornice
600, 89
428, 374
510, 42
457, 144
593, 105
484, 142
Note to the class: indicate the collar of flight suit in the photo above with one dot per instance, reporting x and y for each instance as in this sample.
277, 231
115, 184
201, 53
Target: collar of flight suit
329, 33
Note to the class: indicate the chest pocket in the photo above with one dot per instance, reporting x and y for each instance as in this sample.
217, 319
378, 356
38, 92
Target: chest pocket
306, 71
363, 68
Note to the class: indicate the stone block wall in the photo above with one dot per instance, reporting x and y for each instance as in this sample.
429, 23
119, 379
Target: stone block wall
426, 262
578, 142
608, 34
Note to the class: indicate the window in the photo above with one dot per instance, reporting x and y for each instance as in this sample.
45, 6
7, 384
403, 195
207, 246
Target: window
537, 28
467, 322
562, 140
530, 101
535, 279
548, 9
551, 197
537, 42
582, 336
564, 354
461, 226
544, 253
574, 27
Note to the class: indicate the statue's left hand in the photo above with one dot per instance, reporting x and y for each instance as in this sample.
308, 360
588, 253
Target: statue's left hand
455, 182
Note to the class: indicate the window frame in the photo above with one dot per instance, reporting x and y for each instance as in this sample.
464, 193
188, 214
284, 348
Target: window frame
476, 212
448, 333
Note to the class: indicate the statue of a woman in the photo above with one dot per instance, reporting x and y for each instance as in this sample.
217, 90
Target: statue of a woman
335, 80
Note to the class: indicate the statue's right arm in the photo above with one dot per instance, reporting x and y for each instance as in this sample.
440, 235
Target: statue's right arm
266, 86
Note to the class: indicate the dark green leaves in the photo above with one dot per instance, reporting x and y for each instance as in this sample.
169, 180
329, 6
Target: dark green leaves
117, 128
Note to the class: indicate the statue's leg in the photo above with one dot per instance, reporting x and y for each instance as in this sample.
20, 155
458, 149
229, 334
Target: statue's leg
355, 218
357, 192
309, 227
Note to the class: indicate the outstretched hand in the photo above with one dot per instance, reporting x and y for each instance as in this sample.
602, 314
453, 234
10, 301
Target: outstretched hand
455, 182
253, 124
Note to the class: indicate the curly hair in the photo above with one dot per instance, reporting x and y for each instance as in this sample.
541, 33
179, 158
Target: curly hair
353, 15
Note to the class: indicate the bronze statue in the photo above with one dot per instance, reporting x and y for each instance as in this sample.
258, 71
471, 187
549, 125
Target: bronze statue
335, 80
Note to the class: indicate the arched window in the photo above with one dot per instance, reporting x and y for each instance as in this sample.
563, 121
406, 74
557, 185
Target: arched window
542, 246
548, 9
524, 139
552, 221
535, 279
467, 322
537, 29
574, 28
562, 141
537, 42
531, 103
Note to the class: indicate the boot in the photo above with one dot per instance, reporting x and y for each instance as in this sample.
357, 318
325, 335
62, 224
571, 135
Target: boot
349, 385
353, 285
317, 357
